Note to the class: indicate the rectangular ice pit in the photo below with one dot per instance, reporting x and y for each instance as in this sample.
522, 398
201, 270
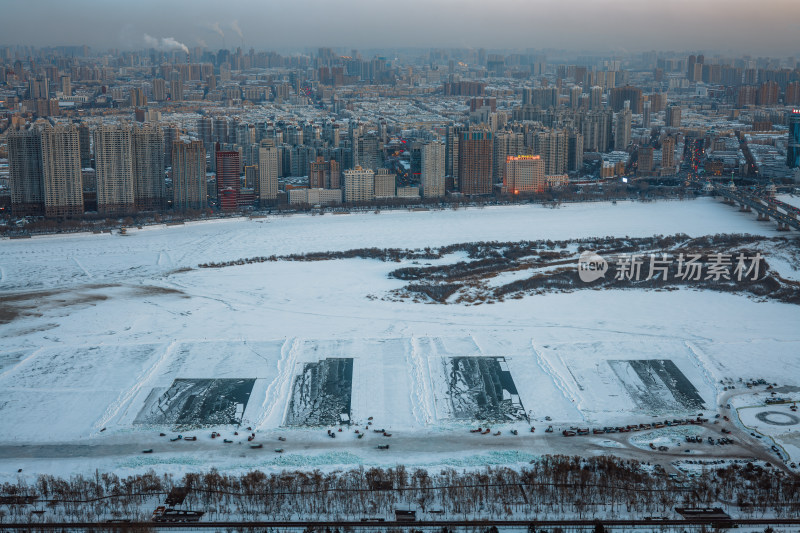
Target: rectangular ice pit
197, 402
481, 388
321, 394
657, 385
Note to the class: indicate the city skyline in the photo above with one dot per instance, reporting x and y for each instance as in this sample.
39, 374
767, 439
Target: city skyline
610, 27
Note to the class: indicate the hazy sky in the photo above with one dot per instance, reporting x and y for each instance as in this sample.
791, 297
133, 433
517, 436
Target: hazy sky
760, 27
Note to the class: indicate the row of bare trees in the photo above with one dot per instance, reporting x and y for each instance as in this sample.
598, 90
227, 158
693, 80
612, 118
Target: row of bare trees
554, 486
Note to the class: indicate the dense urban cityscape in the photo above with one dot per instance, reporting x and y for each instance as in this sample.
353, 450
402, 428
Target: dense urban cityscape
431, 267
120, 132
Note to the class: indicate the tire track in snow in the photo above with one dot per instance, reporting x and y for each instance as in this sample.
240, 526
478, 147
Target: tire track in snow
698, 361
420, 394
126, 397
558, 381
478, 346
439, 397
21, 362
164, 259
280, 386
75, 259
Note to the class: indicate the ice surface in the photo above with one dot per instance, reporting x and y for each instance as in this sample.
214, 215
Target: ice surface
119, 317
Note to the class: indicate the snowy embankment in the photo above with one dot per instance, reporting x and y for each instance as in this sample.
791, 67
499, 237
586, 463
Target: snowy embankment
791, 199
61, 261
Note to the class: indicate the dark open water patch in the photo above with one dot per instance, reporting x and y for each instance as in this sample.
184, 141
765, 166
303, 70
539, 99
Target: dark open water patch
657, 385
481, 388
197, 402
321, 394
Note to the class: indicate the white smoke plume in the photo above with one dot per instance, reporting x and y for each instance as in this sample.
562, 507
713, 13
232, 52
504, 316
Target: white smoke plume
235, 27
215, 27
165, 43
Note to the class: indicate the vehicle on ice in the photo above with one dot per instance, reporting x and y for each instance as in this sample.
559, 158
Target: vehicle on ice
162, 514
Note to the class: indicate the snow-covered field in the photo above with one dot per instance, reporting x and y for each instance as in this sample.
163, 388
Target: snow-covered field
791, 199
61, 261
91, 357
777, 424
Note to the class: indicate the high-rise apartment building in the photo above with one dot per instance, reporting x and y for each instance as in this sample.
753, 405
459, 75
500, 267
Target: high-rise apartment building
793, 145
432, 169
596, 98
114, 167
324, 174
658, 102
619, 95
622, 130
228, 167
524, 173
792, 94
596, 128
668, 155
731, 76
300, 159
451, 150
189, 189
646, 113
46, 107
171, 134
244, 134
220, 130
359, 185
205, 129
575, 93
137, 97
45, 171
505, 143
250, 177
475, 104
645, 159
66, 85
464, 88
176, 90
268, 170
39, 88
768, 93
694, 70
475, 162
543, 97
85, 140
385, 186
553, 148
147, 144
746, 96
26, 180
61, 170
672, 118
690, 63
159, 90
368, 151
574, 151
293, 135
